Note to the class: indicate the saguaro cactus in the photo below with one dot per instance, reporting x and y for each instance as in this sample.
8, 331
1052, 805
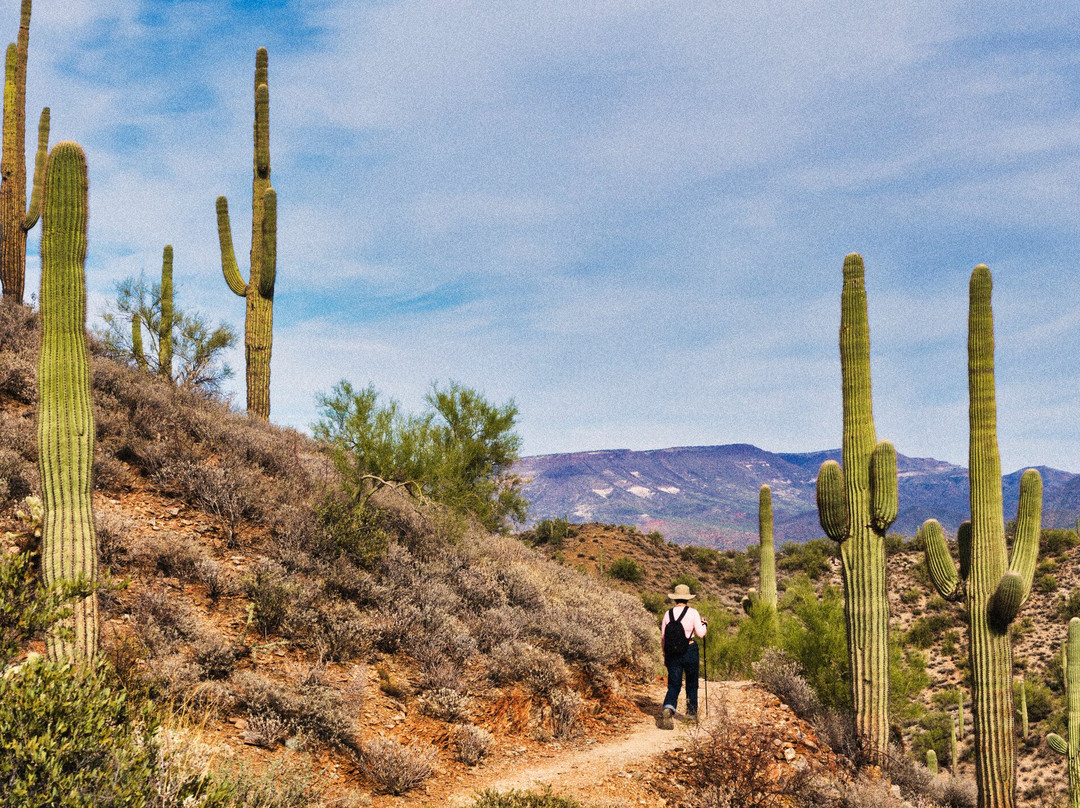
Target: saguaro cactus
993, 590
65, 419
259, 289
767, 582
931, 762
856, 505
15, 220
136, 341
1071, 747
165, 327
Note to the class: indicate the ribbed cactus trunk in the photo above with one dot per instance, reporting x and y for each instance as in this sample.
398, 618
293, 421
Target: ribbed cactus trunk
1071, 748
15, 220
994, 592
165, 327
136, 341
767, 562
65, 419
931, 762
259, 289
856, 505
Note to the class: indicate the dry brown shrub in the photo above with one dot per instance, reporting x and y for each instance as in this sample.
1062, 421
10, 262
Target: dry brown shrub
735, 763
392, 767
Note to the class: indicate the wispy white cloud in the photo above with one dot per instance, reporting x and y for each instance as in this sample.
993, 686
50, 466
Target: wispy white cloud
630, 217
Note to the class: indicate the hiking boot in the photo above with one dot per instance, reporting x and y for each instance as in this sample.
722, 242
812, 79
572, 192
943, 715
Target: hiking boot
667, 720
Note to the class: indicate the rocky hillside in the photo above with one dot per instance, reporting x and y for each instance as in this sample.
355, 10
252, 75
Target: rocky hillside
708, 495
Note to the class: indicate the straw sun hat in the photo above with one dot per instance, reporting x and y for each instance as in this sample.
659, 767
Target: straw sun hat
682, 592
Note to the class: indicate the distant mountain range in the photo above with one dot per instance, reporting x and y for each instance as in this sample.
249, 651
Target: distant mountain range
708, 494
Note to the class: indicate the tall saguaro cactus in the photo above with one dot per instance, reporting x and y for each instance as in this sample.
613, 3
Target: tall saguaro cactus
259, 288
165, 327
994, 589
767, 562
1071, 747
856, 505
65, 419
15, 219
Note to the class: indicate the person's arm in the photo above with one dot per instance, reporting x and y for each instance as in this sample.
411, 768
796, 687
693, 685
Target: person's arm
701, 626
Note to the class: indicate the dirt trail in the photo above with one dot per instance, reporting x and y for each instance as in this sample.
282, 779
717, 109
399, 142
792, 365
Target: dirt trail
605, 773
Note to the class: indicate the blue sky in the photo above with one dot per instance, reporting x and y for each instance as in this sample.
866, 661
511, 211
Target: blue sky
630, 217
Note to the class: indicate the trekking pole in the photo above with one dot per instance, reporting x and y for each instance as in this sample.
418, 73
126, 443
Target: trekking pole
705, 668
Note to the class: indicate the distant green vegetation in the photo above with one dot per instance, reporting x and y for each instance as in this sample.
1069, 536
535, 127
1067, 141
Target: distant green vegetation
626, 569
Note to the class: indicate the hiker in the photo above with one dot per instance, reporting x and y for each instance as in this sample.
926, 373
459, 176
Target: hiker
681, 653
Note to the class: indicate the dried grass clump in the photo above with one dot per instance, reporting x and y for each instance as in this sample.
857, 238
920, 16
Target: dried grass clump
172, 554
445, 704
393, 768
470, 743
317, 711
518, 661
951, 791
783, 676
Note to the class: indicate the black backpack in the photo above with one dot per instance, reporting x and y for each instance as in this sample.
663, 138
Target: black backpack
675, 642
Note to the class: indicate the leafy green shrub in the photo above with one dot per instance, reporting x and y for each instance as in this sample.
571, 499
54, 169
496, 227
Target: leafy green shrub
735, 567
935, 733
654, 602
925, 630
69, 738
272, 595
27, 609
1046, 583
911, 595
656, 538
688, 580
811, 558
458, 452
355, 532
552, 532
1053, 540
626, 569
1069, 607
816, 638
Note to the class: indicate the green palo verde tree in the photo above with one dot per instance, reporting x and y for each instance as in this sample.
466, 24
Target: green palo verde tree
459, 451
993, 586
184, 348
856, 505
1071, 747
65, 417
15, 219
258, 290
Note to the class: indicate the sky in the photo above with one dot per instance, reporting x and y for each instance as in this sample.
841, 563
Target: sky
629, 217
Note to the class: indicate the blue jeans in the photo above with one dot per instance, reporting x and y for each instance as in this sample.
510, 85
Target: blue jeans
688, 664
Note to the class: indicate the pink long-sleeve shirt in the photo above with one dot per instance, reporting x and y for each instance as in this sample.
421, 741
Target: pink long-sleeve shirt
692, 623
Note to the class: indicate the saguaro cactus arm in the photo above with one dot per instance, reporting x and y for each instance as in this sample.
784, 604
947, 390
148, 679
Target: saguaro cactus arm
938, 560
831, 501
268, 275
228, 255
33, 213
884, 503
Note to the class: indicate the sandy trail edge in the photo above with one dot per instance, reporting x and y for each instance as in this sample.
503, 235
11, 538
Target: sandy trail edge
576, 771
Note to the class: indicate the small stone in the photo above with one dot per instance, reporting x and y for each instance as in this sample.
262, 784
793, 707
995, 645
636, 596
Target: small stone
789, 754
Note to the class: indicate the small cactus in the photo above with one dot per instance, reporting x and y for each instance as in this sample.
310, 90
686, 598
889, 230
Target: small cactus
856, 505
954, 751
931, 762
15, 219
136, 341
65, 417
258, 290
1071, 747
994, 587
